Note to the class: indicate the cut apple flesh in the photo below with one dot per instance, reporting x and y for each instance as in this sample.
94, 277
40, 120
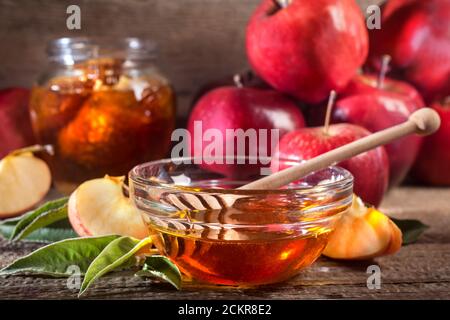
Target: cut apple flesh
99, 207
24, 182
363, 233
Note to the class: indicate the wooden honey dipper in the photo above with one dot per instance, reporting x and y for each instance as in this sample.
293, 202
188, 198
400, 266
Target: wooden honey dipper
423, 122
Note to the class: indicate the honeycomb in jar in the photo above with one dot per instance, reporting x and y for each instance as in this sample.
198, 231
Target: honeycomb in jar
107, 129
56, 104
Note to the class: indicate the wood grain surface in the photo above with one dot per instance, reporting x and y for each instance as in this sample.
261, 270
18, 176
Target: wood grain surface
418, 271
199, 40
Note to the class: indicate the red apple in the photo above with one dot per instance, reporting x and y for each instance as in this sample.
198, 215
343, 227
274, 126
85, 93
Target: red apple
247, 79
307, 48
15, 124
433, 163
370, 169
240, 108
376, 108
368, 84
416, 33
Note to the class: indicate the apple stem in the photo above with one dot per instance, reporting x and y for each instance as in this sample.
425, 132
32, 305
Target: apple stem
283, 3
238, 81
385, 60
331, 101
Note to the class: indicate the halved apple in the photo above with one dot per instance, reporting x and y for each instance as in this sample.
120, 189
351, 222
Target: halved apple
363, 233
24, 182
99, 207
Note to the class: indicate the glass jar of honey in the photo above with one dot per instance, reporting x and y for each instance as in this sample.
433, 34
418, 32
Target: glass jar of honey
103, 106
220, 235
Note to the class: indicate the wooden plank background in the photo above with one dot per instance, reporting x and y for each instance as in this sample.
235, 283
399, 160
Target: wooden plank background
199, 40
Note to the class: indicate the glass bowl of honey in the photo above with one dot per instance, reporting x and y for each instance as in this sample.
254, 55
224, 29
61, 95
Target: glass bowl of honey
223, 236
104, 107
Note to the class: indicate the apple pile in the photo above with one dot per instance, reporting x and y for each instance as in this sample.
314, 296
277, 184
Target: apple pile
303, 50
416, 34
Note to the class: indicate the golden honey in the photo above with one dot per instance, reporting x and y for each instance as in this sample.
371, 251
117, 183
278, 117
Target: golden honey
102, 117
254, 242
254, 237
241, 263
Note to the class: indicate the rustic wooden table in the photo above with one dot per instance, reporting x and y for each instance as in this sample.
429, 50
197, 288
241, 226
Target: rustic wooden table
418, 271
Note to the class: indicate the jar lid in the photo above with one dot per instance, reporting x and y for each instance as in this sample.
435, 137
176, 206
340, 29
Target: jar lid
76, 49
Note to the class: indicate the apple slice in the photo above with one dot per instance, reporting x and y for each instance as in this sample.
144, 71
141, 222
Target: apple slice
24, 182
363, 233
99, 207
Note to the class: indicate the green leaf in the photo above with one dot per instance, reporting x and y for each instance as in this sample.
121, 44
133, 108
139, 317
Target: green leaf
62, 224
43, 216
49, 235
31, 225
161, 267
43, 235
6, 230
11, 221
114, 255
411, 229
7, 226
54, 259
57, 231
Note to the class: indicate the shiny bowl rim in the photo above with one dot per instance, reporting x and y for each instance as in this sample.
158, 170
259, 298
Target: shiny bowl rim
344, 183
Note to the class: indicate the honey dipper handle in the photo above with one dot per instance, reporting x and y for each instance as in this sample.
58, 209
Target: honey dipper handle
424, 122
